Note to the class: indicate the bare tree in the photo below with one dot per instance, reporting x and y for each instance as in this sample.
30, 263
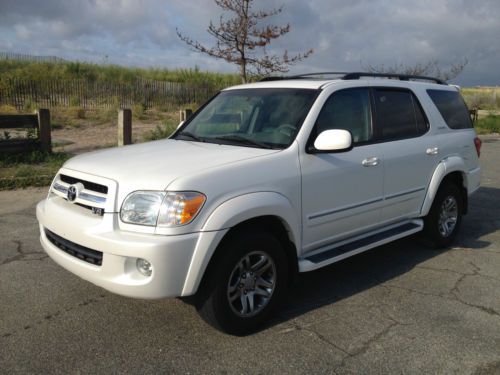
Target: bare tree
242, 41
431, 68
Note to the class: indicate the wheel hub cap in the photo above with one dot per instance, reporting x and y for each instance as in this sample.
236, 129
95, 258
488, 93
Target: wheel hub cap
251, 284
448, 216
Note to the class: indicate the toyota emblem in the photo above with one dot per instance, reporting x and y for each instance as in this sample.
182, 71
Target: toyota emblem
72, 193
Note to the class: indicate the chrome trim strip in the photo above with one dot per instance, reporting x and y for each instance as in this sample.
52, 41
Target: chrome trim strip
331, 212
91, 198
404, 193
60, 188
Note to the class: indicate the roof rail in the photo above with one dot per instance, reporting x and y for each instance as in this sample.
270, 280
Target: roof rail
302, 76
401, 77
358, 75
273, 78
319, 74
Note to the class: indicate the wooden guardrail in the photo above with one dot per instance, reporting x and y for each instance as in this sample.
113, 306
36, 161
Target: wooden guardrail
39, 121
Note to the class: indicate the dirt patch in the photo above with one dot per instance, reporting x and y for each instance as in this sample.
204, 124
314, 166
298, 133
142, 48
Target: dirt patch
99, 129
76, 140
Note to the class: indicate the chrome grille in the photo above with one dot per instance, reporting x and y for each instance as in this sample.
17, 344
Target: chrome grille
92, 196
89, 185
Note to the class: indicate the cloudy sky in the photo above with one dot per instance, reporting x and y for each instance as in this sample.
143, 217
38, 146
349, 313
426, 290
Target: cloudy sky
343, 33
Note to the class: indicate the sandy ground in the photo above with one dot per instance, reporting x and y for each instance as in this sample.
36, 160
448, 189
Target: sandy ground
76, 140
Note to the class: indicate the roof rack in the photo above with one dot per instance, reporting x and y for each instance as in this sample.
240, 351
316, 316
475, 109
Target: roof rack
302, 76
358, 75
306, 75
401, 77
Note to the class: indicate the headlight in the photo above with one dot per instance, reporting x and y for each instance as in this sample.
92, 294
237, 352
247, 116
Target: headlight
165, 209
142, 207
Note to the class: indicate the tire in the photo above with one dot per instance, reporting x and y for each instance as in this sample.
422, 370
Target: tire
442, 224
245, 284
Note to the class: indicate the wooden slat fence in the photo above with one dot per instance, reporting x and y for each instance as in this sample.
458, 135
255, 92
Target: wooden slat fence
102, 94
27, 57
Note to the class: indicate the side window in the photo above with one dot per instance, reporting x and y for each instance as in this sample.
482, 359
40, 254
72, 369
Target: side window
347, 109
422, 123
399, 115
452, 107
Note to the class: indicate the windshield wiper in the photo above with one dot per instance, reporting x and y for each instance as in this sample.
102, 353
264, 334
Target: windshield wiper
240, 139
192, 136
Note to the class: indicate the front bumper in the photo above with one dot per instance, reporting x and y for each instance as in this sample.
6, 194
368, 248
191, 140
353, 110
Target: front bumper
170, 256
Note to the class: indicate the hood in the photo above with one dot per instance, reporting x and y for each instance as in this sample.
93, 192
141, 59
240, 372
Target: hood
154, 165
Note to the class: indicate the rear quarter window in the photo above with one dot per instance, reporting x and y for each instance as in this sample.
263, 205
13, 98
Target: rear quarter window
452, 107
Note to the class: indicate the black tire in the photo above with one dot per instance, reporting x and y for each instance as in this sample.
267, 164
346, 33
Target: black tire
434, 234
212, 300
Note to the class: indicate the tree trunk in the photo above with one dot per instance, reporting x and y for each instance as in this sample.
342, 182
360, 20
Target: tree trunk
243, 71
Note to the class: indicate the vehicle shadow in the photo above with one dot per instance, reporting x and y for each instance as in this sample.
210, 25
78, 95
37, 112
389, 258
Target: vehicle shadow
364, 271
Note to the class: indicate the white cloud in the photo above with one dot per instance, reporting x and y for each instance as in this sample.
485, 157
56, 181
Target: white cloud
342, 32
22, 32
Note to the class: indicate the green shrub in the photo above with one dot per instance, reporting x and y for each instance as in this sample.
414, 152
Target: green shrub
77, 113
34, 168
29, 106
139, 111
74, 101
161, 131
33, 157
488, 124
111, 73
8, 110
482, 97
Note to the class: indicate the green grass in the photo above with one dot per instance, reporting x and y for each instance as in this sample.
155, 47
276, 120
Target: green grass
482, 97
488, 124
15, 69
29, 169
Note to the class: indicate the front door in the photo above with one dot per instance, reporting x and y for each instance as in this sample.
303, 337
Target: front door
342, 193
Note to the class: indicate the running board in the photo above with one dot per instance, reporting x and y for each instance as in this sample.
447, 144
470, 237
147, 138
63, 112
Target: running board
356, 245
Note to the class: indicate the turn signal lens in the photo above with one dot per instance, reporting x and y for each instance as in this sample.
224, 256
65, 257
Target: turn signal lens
180, 208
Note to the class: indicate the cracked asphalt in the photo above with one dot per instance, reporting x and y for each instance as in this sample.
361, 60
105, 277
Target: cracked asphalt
400, 308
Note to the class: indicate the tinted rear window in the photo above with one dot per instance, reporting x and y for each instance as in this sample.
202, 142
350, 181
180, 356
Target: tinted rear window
452, 107
398, 114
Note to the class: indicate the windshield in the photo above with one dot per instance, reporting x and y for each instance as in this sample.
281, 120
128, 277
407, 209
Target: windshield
265, 118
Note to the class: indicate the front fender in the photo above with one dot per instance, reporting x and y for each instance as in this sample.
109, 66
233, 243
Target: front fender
231, 213
444, 168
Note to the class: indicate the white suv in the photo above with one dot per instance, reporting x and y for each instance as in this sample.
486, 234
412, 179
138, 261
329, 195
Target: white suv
264, 181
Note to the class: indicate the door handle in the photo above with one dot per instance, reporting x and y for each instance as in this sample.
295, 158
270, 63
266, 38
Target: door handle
370, 162
432, 151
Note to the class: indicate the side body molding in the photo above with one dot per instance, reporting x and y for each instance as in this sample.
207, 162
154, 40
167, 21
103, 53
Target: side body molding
445, 167
231, 213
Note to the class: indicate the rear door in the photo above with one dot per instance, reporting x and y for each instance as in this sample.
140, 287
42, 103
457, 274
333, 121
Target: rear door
410, 154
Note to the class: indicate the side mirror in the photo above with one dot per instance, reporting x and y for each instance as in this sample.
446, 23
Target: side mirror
334, 140
180, 124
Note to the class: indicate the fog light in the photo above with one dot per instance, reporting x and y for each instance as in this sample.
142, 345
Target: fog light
144, 267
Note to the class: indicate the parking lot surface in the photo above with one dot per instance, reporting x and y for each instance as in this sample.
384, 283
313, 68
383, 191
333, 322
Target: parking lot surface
399, 308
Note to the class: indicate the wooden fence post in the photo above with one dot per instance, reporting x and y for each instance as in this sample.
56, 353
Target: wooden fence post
124, 127
44, 129
184, 114
474, 114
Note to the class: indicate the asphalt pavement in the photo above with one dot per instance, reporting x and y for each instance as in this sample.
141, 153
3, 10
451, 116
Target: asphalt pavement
399, 308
